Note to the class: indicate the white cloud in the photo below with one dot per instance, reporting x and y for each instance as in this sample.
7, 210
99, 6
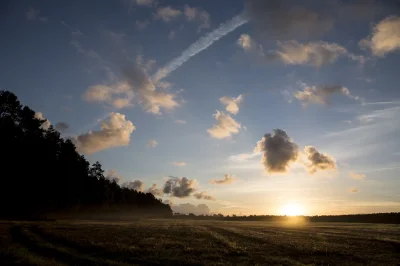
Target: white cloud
155, 191
146, 93
225, 126
228, 179
180, 122
313, 53
114, 132
119, 95
179, 164
167, 13
358, 176
232, 104
246, 42
321, 94
46, 124
385, 37
113, 176
152, 143
292, 52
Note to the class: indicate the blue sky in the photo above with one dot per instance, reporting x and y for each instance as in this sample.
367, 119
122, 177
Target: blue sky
324, 74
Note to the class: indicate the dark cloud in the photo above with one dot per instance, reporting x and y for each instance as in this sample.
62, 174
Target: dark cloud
285, 19
179, 187
318, 161
135, 185
187, 208
279, 151
203, 195
62, 126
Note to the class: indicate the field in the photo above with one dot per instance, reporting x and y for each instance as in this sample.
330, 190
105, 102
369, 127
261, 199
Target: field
173, 242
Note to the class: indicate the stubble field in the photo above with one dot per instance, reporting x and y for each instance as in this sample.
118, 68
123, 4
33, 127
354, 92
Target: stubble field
175, 242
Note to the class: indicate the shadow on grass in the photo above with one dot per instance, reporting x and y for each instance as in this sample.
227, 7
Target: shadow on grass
130, 257
40, 249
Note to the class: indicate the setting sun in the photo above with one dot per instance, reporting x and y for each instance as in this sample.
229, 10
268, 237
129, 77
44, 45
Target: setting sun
292, 209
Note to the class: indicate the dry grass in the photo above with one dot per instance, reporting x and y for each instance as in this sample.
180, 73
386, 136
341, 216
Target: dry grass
171, 242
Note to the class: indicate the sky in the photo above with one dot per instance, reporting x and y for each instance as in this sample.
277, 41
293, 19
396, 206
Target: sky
230, 106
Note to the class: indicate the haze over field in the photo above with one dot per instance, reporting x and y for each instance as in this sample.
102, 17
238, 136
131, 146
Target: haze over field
229, 106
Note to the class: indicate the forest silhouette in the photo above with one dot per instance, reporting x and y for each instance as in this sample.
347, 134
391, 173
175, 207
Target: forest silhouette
42, 173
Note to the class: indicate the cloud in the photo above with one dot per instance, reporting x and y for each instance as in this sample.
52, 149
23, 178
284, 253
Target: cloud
385, 37
113, 175
33, 14
144, 2
74, 31
279, 151
281, 19
246, 42
321, 94
167, 14
179, 187
358, 176
228, 179
203, 195
179, 163
181, 122
232, 104
151, 99
141, 25
61, 126
135, 185
225, 126
155, 191
187, 208
291, 52
119, 95
46, 124
318, 161
114, 132
197, 14
354, 190
152, 143
315, 54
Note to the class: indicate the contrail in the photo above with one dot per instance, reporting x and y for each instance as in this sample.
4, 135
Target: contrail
200, 45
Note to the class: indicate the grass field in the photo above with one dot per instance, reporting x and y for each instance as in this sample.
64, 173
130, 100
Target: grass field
173, 242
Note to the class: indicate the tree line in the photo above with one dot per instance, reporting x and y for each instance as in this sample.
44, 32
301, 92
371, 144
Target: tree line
42, 173
388, 218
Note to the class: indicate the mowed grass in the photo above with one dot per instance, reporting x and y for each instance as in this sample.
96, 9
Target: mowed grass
175, 242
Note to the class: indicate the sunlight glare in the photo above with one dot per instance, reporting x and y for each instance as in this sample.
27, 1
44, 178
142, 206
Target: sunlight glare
292, 209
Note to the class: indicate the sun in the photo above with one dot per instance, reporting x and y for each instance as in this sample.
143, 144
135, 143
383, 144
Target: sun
292, 209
